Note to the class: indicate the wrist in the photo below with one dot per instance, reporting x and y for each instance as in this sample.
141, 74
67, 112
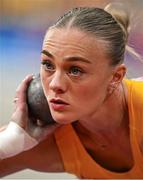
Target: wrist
14, 140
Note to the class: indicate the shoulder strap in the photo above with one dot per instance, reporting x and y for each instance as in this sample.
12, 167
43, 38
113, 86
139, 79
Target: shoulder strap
67, 145
135, 105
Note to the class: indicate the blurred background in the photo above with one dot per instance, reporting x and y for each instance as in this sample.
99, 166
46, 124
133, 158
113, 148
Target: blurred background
23, 24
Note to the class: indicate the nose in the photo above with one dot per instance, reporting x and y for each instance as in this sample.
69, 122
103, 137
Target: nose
58, 83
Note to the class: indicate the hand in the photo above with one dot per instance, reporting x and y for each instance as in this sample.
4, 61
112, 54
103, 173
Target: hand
20, 115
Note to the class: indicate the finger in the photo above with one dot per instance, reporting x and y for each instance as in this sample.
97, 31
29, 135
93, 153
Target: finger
15, 99
20, 115
21, 90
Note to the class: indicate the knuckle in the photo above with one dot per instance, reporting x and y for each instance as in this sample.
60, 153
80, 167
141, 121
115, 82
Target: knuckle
17, 90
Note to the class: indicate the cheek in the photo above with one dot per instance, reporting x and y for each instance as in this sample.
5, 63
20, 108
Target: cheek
84, 92
90, 94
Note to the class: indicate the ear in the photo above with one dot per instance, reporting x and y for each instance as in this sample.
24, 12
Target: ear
117, 77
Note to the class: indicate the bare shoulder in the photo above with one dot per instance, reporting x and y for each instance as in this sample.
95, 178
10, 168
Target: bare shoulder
45, 157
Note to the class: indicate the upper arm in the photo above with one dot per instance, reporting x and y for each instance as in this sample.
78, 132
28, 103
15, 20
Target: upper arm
11, 165
44, 157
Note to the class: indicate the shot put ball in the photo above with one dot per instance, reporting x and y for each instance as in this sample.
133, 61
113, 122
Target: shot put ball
37, 104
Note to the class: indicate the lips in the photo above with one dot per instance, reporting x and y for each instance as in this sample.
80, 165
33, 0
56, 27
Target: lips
58, 101
58, 105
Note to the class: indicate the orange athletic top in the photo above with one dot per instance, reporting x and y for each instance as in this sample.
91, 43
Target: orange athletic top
76, 159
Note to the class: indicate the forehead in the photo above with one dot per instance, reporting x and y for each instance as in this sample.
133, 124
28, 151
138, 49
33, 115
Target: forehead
73, 42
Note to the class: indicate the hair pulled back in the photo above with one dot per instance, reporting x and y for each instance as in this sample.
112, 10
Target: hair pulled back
108, 25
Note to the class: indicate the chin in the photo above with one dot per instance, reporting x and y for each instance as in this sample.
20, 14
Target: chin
63, 118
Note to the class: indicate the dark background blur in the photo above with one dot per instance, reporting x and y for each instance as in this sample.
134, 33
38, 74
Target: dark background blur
23, 24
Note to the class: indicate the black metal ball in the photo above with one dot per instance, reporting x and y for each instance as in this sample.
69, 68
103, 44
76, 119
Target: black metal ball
37, 104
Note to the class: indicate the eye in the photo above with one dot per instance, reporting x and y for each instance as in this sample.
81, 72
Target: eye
48, 65
75, 71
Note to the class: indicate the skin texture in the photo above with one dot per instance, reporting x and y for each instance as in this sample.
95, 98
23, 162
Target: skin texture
89, 88
92, 90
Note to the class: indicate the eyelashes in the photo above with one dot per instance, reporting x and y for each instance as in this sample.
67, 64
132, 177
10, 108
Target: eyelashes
75, 71
72, 70
48, 66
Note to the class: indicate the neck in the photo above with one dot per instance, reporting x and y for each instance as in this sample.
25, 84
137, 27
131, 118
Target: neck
110, 116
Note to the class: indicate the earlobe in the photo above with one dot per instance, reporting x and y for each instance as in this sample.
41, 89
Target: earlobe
112, 86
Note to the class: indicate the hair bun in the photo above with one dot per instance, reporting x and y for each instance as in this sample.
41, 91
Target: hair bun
120, 14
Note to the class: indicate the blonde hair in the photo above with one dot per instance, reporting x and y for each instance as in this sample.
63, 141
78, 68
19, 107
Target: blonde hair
122, 17
111, 26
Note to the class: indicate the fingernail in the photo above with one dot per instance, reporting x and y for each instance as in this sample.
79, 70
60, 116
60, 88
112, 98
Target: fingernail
29, 75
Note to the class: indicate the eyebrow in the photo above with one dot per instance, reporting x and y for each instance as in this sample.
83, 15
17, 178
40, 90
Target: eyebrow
47, 53
71, 59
